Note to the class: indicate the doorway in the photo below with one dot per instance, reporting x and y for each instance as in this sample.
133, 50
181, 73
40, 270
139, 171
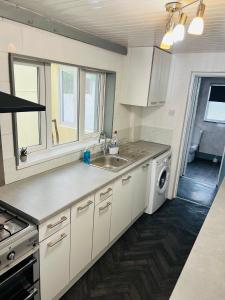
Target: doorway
203, 157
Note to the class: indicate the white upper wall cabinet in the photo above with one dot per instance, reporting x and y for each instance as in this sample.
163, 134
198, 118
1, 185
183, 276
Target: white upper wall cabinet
147, 75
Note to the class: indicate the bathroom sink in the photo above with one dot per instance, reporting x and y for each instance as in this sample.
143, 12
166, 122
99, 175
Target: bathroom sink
110, 162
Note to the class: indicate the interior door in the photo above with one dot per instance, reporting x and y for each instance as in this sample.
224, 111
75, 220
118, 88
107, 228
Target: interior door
222, 169
190, 123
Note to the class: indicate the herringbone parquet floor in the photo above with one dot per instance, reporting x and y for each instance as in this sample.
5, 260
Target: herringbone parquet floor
145, 263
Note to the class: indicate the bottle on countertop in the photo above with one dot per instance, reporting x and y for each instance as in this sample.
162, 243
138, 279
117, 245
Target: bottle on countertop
114, 144
87, 156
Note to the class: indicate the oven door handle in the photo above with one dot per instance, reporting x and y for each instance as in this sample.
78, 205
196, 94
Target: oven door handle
30, 263
33, 292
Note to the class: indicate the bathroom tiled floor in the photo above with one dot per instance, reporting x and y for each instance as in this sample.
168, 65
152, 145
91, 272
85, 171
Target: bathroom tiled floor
203, 171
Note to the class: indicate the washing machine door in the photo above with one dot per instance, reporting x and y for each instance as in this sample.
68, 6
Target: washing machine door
163, 180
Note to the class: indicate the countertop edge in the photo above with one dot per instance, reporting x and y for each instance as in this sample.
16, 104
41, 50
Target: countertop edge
116, 176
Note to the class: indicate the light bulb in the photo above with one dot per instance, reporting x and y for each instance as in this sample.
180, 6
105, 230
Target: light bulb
178, 33
197, 26
167, 40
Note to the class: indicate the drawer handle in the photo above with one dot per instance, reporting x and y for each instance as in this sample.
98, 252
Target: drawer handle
101, 209
126, 179
50, 226
145, 166
105, 193
85, 206
52, 244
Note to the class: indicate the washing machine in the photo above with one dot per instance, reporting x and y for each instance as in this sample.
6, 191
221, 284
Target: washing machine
158, 181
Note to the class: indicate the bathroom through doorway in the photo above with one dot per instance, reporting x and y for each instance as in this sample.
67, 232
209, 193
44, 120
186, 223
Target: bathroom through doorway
203, 157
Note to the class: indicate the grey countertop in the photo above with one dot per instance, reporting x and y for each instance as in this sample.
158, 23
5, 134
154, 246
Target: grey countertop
41, 196
203, 276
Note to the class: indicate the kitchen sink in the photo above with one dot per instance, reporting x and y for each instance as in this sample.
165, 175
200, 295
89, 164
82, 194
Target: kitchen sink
110, 162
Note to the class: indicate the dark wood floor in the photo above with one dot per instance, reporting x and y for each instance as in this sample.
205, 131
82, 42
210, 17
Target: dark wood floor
145, 263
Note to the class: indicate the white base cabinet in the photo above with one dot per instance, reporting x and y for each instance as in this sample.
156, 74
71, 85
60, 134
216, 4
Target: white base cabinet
102, 220
121, 206
139, 189
87, 229
82, 215
54, 263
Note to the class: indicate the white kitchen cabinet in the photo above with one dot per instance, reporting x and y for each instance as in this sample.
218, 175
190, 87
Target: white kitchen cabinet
147, 76
121, 205
139, 189
54, 263
102, 220
82, 218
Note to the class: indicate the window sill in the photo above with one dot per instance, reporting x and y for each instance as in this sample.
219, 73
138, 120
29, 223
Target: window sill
58, 152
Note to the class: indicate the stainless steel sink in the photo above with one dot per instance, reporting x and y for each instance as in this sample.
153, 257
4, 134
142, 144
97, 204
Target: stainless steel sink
110, 162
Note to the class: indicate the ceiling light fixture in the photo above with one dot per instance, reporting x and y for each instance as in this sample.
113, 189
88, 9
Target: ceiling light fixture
179, 30
175, 30
197, 24
167, 40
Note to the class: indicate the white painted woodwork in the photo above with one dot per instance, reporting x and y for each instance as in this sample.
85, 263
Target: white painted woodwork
147, 76
159, 77
54, 224
54, 263
121, 206
82, 218
134, 23
102, 219
103, 194
139, 189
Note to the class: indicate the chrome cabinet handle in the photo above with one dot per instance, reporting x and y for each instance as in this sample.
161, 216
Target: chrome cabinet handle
31, 294
50, 226
126, 179
80, 208
145, 166
105, 193
104, 207
62, 236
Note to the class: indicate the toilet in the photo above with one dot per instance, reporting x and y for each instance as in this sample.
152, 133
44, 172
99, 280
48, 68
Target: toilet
196, 138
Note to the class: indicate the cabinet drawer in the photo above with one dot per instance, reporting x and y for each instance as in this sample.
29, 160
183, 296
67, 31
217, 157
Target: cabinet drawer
54, 263
82, 219
54, 224
103, 194
102, 219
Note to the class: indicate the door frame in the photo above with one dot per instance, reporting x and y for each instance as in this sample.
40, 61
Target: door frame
188, 113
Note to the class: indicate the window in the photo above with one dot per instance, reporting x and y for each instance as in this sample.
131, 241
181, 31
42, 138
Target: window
215, 109
91, 103
64, 104
29, 84
74, 99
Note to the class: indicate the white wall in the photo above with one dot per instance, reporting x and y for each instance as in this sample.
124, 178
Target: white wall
167, 122
26, 40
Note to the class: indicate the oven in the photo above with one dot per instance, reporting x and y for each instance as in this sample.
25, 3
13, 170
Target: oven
21, 282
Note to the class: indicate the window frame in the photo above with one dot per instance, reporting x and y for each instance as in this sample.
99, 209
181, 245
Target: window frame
50, 149
206, 119
41, 85
102, 78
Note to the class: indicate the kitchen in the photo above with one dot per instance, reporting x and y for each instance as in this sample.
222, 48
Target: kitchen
74, 221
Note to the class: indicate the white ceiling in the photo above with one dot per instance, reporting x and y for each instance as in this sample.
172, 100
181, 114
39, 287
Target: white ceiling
133, 22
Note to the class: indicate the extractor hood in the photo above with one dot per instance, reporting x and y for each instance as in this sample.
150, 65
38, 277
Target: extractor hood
11, 104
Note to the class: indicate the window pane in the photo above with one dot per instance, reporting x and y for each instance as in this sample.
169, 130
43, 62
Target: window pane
64, 104
215, 112
92, 100
26, 87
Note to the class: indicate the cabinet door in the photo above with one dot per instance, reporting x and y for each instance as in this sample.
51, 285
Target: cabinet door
121, 205
139, 188
139, 63
159, 77
54, 263
102, 218
82, 217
